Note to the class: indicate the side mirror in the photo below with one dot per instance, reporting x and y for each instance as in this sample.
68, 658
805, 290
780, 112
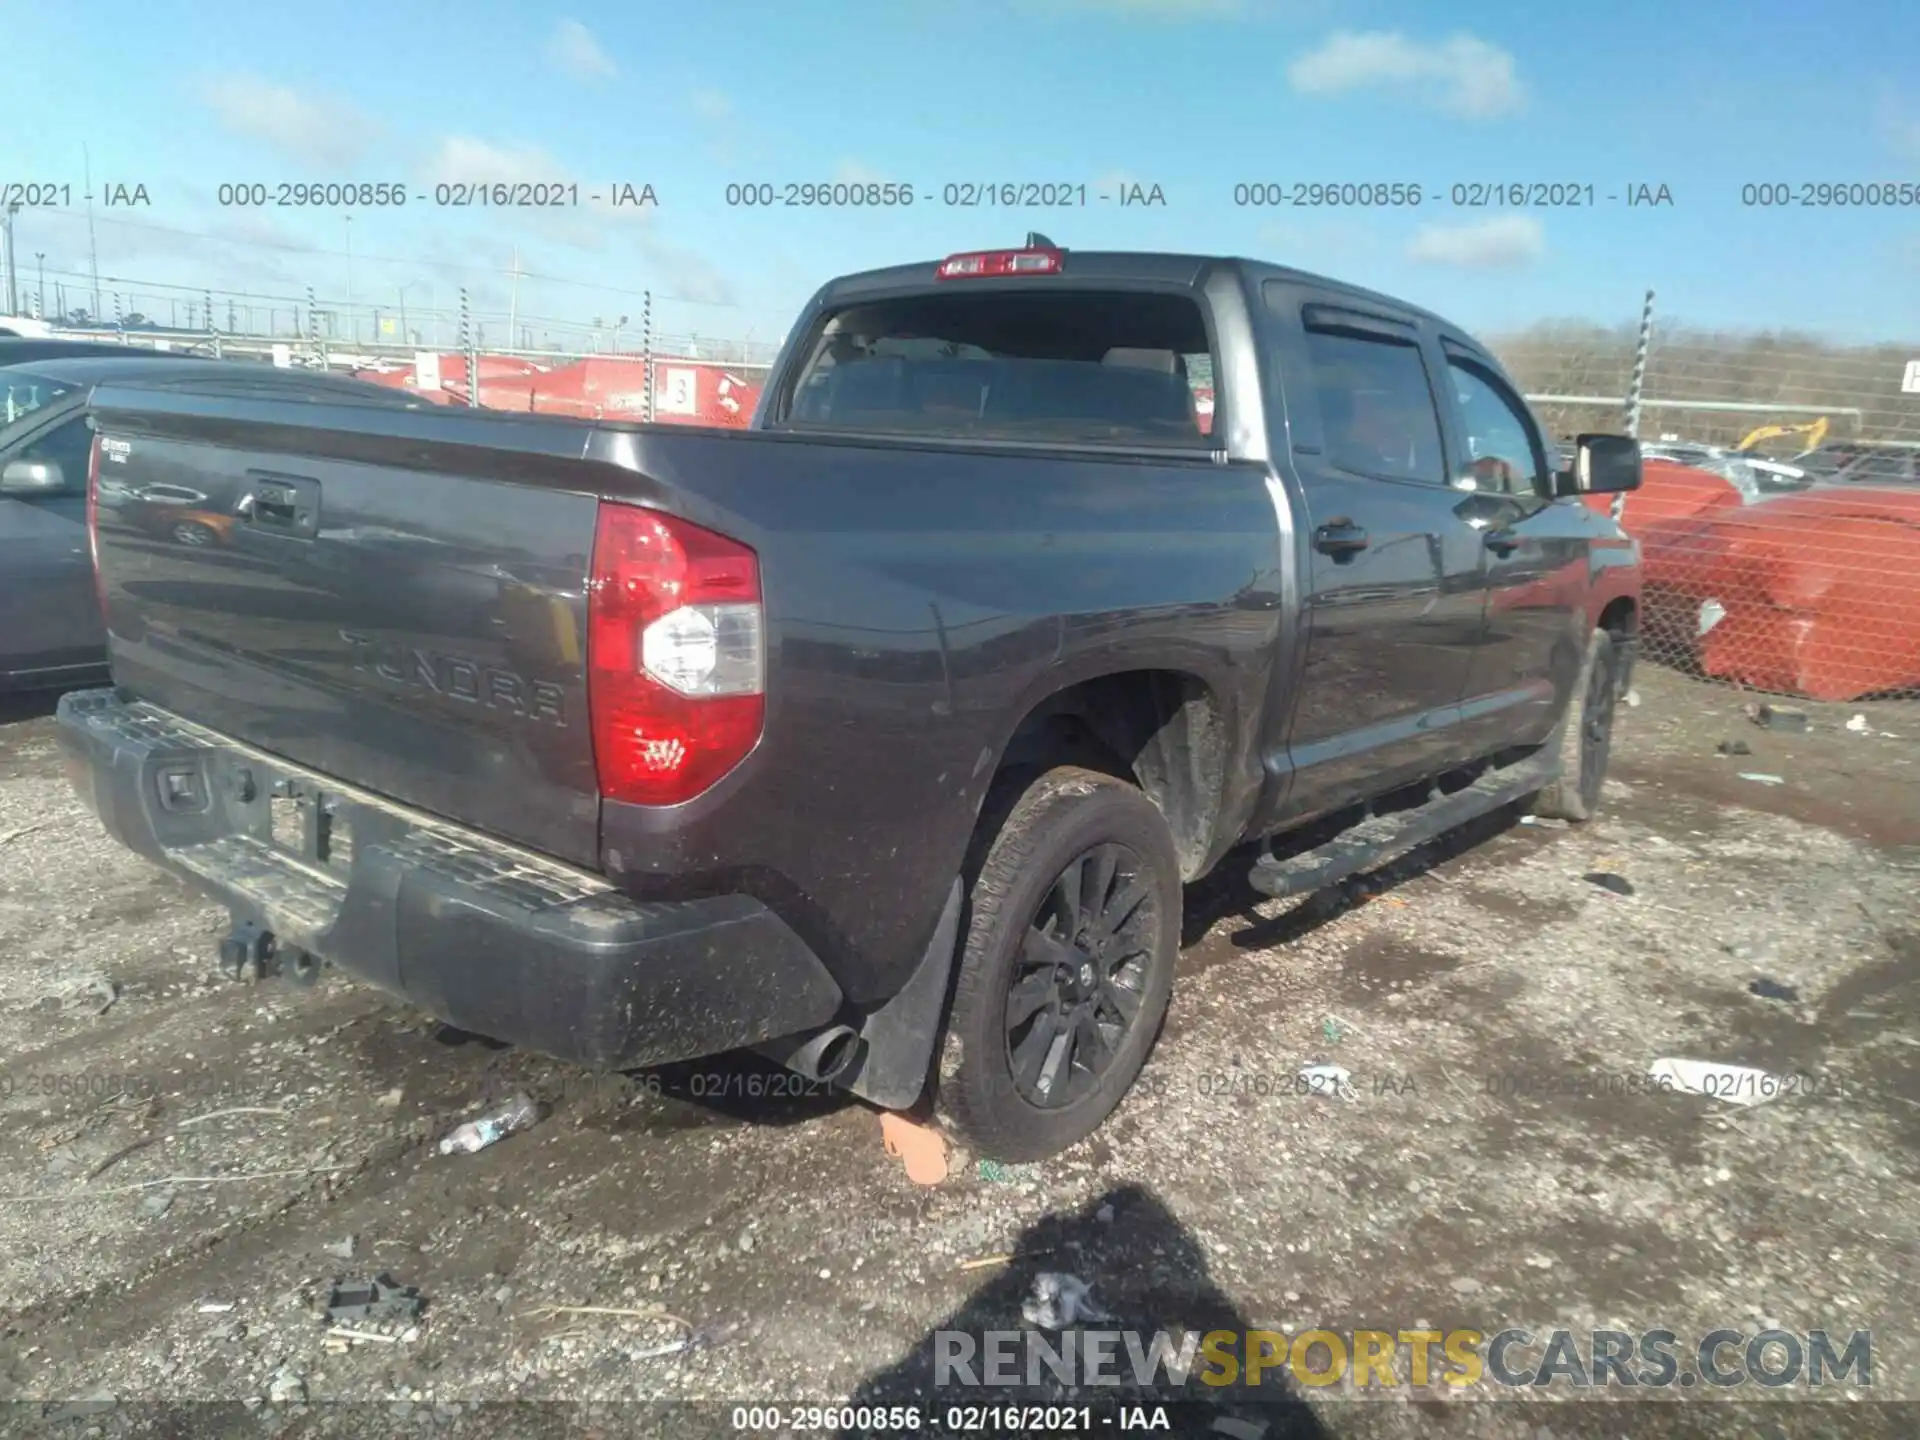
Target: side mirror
32, 477
1602, 465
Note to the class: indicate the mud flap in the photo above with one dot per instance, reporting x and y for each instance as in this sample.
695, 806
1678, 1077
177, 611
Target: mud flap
897, 1041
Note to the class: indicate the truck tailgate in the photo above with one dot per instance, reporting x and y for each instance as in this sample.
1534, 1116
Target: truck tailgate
373, 595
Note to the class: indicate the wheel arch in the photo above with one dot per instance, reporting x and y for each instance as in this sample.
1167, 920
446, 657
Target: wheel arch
1162, 729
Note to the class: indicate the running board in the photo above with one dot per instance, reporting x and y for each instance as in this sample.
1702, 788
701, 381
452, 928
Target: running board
1381, 837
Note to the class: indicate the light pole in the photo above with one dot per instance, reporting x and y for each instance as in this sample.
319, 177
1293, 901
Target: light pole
353, 324
406, 337
13, 288
616, 333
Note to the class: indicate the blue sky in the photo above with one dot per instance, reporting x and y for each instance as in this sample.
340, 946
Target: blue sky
1195, 96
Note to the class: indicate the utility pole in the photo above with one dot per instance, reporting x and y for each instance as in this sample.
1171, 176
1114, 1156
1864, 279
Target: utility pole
353, 324
40, 304
93, 243
6, 226
513, 298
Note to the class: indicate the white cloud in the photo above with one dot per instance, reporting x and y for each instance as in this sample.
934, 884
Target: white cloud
1900, 130
1314, 243
852, 172
574, 50
309, 128
466, 159
1506, 242
463, 159
687, 274
1468, 76
589, 226
729, 140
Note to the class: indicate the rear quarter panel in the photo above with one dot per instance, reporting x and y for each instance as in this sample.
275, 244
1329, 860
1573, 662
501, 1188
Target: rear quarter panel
920, 601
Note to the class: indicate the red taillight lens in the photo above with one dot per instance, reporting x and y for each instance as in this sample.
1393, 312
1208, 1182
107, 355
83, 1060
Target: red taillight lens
676, 655
984, 263
93, 524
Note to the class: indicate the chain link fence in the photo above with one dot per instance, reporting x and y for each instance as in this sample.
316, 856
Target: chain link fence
401, 319
1779, 521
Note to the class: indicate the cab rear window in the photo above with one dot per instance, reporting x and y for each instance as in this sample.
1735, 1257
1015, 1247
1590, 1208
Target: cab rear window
1078, 367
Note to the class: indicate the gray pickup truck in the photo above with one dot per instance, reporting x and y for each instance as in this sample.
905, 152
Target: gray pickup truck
880, 737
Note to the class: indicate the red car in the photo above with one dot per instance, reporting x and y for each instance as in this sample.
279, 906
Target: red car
1815, 593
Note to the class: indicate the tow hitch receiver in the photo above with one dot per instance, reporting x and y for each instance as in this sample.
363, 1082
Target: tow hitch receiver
251, 953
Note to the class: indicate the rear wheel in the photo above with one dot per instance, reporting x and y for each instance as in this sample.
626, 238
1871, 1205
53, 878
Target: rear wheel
1585, 737
1073, 932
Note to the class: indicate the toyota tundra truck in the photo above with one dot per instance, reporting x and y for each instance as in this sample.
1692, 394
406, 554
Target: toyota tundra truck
881, 737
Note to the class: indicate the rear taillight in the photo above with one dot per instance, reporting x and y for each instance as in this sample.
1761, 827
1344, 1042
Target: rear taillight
93, 524
676, 655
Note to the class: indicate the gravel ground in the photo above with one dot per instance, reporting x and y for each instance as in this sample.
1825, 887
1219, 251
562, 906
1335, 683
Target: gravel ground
1500, 1165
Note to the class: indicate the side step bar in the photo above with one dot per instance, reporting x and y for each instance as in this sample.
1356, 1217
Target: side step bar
1382, 837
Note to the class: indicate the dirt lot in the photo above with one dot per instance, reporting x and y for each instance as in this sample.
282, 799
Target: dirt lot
1500, 1166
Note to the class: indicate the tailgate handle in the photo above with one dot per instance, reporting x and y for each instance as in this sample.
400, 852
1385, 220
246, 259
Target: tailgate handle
288, 504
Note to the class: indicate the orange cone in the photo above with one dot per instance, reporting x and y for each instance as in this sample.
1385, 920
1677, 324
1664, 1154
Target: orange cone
922, 1147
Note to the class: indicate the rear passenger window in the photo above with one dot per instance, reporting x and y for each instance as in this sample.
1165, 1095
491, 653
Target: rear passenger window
1376, 406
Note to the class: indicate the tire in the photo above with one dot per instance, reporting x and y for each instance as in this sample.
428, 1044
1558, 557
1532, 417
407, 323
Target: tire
1046, 1033
1585, 736
191, 533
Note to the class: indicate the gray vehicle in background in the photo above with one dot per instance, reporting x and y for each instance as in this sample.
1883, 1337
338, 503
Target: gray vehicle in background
50, 631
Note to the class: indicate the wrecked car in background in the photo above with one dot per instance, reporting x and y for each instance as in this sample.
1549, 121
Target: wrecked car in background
1815, 592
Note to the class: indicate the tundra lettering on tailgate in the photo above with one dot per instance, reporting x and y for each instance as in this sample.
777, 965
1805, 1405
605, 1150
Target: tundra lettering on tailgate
457, 678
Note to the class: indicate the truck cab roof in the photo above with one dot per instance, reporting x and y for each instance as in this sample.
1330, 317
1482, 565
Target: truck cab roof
1113, 267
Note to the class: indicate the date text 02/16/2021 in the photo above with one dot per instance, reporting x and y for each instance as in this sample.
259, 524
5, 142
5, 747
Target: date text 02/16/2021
963, 195
1460, 195
457, 195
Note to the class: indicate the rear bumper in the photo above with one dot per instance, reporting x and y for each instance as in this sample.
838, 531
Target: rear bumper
479, 934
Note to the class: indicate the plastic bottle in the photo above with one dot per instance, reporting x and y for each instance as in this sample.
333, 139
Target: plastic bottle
519, 1113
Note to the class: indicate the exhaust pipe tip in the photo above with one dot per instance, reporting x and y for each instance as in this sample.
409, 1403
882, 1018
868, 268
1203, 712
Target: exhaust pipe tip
822, 1056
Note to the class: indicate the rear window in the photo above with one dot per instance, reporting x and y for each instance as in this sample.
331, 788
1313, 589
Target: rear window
1078, 367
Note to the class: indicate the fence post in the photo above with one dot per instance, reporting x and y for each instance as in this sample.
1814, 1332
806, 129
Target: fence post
646, 350
470, 350
1636, 387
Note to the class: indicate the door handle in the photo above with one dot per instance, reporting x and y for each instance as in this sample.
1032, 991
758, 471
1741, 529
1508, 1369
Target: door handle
1502, 541
1340, 537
